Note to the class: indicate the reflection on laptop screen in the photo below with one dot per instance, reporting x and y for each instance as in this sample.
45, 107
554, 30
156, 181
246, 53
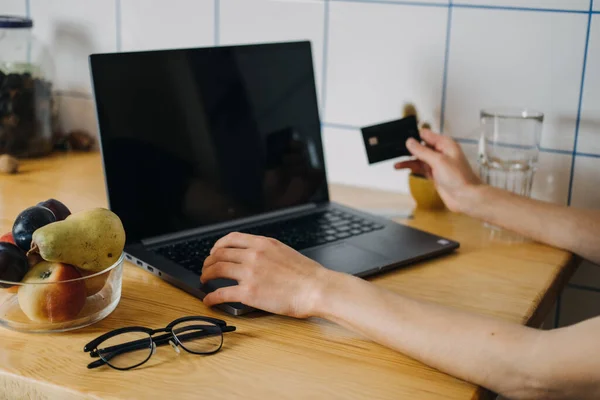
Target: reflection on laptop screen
197, 136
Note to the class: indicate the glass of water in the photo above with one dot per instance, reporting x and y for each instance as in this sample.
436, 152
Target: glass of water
509, 148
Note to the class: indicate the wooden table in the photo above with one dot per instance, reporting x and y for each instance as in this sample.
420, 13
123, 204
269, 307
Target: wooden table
270, 356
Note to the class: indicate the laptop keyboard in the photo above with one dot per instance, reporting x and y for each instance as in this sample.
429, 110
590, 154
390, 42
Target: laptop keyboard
299, 233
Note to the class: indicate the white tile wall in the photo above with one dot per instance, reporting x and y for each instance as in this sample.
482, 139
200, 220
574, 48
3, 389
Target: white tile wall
586, 182
596, 5
381, 56
578, 305
76, 112
346, 162
589, 130
583, 5
435, 2
251, 21
73, 29
13, 7
170, 24
537, 63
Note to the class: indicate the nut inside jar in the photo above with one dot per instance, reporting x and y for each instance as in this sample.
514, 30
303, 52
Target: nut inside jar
25, 113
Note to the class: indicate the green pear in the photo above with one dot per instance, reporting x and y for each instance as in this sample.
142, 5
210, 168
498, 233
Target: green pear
92, 240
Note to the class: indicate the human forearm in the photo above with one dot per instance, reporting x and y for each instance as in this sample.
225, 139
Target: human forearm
568, 228
485, 351
510, 359
444, 161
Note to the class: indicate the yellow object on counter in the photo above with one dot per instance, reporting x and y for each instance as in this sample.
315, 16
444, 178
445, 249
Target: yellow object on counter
424, 193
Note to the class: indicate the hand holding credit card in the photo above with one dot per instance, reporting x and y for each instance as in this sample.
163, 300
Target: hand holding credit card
387, 140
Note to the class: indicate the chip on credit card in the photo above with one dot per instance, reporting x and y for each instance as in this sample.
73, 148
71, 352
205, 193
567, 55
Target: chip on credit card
388, 140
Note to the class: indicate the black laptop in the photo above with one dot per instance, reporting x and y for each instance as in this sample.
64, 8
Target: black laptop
197, 143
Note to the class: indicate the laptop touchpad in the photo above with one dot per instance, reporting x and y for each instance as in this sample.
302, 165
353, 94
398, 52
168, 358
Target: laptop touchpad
344, 257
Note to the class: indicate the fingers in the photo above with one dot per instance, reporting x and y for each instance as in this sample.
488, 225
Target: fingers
423, 153
416, 166
237, 240
445, 144
222, 269
229, 294
225, 254
431, 138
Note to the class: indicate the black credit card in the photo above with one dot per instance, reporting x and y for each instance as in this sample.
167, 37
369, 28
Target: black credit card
388, 140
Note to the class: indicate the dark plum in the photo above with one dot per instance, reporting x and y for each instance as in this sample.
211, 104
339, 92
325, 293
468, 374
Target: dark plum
28, 221
59, 209
13, 264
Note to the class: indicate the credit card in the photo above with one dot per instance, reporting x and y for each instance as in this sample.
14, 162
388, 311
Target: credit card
388, 140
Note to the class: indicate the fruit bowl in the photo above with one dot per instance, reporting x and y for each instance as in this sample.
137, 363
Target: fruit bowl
58, 298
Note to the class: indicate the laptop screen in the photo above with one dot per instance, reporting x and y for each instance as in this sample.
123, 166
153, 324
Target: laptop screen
194, 137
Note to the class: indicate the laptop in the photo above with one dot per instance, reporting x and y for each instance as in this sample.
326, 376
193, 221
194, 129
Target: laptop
200, 142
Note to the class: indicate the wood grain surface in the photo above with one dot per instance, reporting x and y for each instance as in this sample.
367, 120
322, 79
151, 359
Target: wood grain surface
269, 356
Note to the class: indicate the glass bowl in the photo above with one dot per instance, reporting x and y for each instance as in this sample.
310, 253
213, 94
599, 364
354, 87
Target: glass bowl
61, 305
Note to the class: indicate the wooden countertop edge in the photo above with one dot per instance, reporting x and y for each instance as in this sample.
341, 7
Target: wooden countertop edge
537, 313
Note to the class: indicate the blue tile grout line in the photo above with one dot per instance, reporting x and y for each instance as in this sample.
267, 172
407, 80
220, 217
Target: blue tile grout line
516, 146
28, 15
583, 287
396, 3
445, 74
325, 54
581, 87
511, 8
348, 127
589, 155
472, 6
118, 24
340, 126
217, 16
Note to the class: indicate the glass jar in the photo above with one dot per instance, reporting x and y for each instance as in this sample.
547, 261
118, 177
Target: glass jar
26, 106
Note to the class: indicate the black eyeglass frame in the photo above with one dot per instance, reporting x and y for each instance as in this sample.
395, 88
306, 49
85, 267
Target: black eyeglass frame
92, 347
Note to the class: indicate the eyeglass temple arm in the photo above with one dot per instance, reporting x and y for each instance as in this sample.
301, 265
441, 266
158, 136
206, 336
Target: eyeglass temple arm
158, 340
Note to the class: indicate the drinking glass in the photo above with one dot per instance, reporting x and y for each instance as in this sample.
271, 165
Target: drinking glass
509, 148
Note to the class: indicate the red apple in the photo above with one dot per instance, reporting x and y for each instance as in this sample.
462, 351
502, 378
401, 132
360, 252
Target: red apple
33, 259
95, 284
50, 299
8, 237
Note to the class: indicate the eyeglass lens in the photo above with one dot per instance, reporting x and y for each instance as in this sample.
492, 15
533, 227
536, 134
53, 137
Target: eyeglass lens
126, 350
197, 336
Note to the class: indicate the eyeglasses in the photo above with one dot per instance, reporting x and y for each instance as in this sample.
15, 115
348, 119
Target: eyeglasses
130, 347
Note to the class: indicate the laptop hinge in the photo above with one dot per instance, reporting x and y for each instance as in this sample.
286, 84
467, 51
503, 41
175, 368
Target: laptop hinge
229, 224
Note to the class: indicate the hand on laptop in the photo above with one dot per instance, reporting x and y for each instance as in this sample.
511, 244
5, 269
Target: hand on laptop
445, 163
271, 276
